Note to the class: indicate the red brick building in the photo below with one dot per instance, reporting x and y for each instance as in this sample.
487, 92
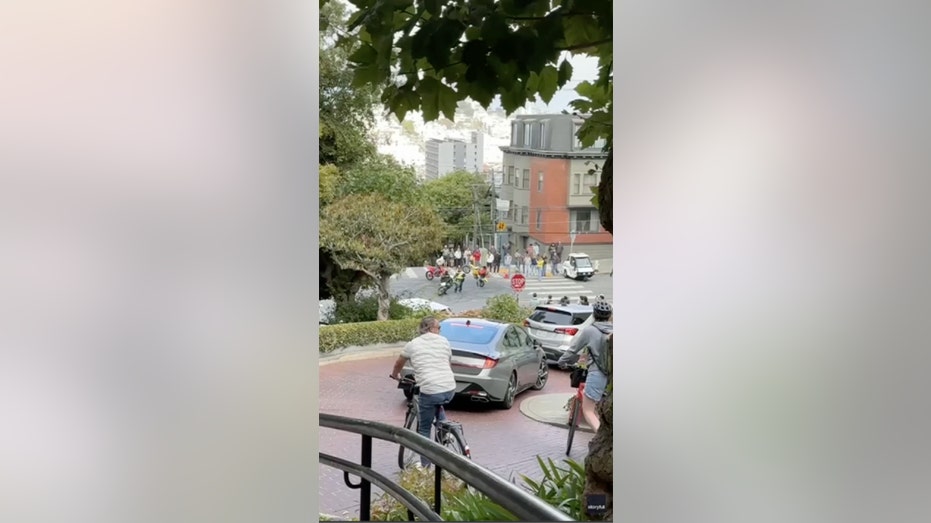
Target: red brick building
547, 180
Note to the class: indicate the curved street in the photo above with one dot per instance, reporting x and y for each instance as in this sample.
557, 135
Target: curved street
504, 441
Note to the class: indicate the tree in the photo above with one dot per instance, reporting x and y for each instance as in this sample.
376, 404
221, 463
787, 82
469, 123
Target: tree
383, 175
346, 110
427, 56
452, 197
379, 237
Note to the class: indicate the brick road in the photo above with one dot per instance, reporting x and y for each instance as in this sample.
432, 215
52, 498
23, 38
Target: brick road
504, 441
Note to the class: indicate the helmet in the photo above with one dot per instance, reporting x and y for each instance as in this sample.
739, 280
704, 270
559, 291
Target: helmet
602, 309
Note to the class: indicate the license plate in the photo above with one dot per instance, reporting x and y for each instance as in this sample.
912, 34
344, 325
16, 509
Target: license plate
540, 333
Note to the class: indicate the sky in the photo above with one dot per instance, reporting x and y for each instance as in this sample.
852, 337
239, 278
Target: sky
583, 68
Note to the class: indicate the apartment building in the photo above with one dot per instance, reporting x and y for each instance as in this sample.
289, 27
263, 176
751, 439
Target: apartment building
548, 177
445, 156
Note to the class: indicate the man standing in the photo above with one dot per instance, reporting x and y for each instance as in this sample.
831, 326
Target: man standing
430, 356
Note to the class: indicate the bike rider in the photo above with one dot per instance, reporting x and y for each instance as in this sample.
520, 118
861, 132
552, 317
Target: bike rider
593, 337
430, 355
446, 280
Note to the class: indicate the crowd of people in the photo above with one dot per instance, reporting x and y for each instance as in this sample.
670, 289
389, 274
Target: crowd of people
535, 260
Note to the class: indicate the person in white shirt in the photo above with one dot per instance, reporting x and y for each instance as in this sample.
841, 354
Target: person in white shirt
430, 355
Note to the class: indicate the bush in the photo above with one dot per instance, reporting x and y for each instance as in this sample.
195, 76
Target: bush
505, 308
365, 308
342, 335
560, 487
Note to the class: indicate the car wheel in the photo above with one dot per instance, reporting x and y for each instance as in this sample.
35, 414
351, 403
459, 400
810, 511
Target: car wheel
543, 374
510, 393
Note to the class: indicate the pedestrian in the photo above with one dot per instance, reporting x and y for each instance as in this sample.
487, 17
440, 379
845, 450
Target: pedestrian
466, 256
458, 256
559, 249
457, 281
430, 355
490, 261
541, 266
508, 262
476, 256
594, 338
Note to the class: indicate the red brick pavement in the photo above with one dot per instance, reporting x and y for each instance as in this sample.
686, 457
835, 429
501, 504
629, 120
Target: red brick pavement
504, 441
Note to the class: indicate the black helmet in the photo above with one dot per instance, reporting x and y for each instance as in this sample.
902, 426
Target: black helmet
602, 309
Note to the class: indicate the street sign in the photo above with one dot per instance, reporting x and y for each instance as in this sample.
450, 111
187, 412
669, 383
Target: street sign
502, 226
517, 282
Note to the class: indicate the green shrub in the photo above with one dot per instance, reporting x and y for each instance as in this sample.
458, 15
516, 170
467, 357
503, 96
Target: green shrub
505, 308
342, 335
365, 308
560, 487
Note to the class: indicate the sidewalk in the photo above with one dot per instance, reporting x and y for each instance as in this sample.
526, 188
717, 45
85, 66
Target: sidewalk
551, 409
380, 350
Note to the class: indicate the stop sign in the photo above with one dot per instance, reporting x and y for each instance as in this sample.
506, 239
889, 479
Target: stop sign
517, 282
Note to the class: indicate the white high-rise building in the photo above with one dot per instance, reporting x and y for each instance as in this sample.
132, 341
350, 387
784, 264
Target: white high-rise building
445, 156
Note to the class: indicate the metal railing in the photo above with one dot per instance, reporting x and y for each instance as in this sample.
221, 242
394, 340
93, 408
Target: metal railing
514, 499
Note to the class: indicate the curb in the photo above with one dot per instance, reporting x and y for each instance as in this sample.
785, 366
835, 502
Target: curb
360, 353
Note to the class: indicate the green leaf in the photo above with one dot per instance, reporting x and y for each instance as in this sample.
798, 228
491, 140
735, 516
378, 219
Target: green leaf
364, 55
549, 78
565, 73
436, 97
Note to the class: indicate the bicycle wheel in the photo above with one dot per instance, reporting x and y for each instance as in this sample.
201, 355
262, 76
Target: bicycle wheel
454, 441
573, 423
406, 456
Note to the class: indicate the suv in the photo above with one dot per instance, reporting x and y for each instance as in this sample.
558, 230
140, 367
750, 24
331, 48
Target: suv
554, 326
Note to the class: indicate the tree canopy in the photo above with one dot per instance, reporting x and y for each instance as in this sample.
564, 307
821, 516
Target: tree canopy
453, 198
376, 235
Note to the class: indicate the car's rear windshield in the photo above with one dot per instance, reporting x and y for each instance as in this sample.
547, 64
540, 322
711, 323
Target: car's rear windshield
557, 317
459, 332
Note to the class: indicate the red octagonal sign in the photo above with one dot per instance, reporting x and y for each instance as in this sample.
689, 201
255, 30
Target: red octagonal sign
517, 282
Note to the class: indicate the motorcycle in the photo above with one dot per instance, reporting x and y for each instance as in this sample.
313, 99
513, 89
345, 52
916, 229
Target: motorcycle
445, 284
433, 271
480, 274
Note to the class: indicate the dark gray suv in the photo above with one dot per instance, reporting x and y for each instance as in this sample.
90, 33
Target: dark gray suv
554, 326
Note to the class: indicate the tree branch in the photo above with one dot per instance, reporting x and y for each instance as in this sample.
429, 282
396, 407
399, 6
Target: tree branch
586, 45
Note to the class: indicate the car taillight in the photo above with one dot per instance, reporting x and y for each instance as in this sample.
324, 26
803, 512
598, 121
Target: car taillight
489, 363
571, 332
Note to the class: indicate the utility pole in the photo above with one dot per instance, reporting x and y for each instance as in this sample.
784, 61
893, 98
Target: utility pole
478, 215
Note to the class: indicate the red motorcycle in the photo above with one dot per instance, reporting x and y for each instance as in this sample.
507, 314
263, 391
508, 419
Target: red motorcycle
435, 272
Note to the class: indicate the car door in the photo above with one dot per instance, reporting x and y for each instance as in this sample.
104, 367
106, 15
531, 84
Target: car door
510, 345
527, 357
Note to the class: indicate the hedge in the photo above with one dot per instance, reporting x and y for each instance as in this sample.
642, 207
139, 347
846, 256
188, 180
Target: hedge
332, 337
342, 335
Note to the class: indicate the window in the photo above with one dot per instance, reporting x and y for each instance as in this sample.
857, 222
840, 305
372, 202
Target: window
515, 134
577, 183
539, 218
576, 144
524, 215
510, 179
544, 136
510, 342
527, 133
540, 181
590, 180
525, 182
583, 219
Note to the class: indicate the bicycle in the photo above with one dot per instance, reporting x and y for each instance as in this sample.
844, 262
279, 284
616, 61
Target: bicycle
575, 409
447, 433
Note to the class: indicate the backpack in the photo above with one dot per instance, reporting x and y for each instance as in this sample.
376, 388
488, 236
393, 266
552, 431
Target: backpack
604, 358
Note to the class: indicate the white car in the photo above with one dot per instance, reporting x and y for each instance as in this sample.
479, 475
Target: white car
578, 266
421, 303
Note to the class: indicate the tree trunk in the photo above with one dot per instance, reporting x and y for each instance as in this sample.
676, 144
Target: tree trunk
384, 298
599, 464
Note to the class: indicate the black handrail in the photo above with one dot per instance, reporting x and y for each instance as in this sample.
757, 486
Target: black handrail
516, 500
410, 501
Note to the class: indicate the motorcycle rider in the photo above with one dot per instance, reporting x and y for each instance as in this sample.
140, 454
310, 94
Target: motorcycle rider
593, 338
446, 280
